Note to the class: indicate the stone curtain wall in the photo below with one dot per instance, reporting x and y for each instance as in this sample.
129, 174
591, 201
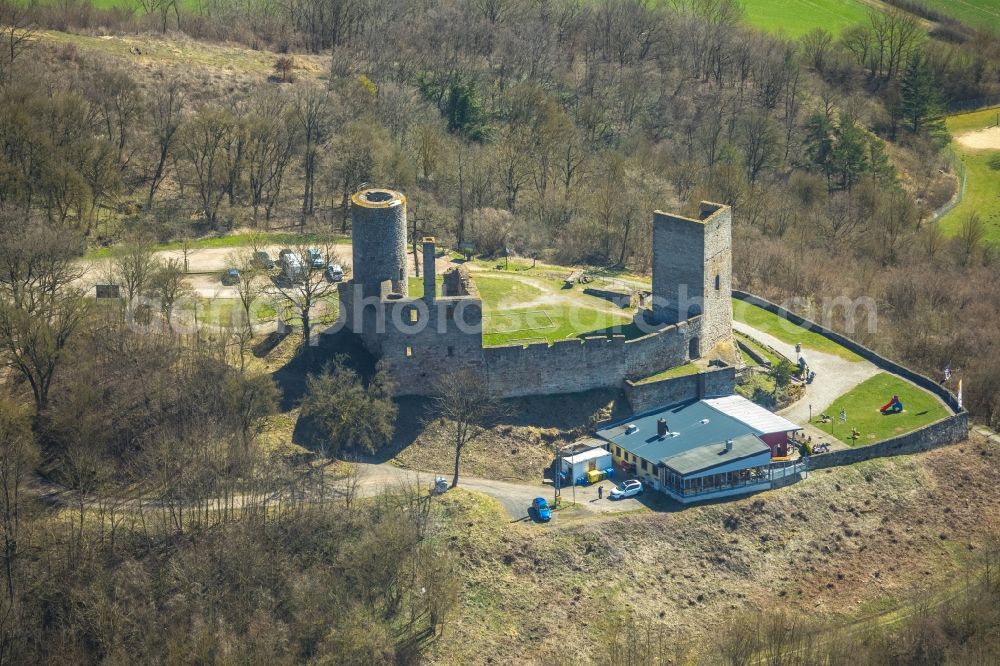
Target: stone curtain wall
949, 430
660, 350
712, 383
568, 366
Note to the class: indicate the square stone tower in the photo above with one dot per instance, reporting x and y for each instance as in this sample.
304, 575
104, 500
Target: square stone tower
692, 272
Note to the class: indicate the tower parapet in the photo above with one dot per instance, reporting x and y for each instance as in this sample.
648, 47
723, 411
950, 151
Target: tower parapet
378, 218
692, 271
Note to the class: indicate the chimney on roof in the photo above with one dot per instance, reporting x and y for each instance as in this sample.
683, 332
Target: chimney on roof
661, 427
729, 445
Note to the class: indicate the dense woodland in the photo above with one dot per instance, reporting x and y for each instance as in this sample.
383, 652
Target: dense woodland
553, 127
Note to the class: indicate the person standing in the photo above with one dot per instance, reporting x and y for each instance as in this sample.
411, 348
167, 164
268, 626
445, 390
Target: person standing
600, 492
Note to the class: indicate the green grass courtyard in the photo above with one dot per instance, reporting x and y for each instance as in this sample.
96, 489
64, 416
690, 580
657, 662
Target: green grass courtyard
786, 331
862, 404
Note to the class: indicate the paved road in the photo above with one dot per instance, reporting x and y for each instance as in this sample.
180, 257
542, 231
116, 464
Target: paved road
514, 497
835, 375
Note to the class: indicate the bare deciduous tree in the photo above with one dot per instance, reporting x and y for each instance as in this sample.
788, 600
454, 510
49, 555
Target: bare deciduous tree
468, 407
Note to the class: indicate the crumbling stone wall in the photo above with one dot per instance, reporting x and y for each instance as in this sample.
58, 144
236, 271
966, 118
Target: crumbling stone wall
457, 282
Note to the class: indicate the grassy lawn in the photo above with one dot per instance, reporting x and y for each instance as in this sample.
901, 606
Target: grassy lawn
497, 291
786, 331
983, 14
679, 371
548, 324
225, 311
982, 191
797, 17
862, 406
416, 285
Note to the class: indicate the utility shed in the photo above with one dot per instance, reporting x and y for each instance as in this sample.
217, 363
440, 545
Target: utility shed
577, 465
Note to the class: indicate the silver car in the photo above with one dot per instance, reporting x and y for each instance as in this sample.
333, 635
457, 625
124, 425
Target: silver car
629, 488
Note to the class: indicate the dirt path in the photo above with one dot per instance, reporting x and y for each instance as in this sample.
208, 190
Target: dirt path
984, 139
835, 376
550, 298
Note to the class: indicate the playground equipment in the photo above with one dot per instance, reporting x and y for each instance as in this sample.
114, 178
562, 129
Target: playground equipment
894, 406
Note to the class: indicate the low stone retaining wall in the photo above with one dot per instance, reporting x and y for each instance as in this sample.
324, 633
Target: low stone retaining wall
949, 430
920, 380
752, 353
620, 298
711, 383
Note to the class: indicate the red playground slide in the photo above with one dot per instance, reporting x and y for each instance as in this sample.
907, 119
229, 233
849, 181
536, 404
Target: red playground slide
893, 405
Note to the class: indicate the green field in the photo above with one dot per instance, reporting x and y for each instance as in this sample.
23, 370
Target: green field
862, 407
795, 18
786, 331
983, 14
537, 309
982, 190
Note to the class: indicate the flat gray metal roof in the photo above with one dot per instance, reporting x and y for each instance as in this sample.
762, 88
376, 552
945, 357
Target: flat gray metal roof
691, 425
712, 455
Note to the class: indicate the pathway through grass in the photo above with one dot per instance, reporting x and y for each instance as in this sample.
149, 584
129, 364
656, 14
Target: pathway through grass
786, 331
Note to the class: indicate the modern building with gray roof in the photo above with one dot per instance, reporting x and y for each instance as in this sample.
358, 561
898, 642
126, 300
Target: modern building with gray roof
700, 449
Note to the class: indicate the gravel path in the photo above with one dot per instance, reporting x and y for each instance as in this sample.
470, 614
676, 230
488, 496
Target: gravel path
834, 375
514, 497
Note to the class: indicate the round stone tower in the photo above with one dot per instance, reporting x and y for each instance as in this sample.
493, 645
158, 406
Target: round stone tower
379, 238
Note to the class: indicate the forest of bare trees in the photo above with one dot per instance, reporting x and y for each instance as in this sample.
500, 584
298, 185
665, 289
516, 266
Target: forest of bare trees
134, 477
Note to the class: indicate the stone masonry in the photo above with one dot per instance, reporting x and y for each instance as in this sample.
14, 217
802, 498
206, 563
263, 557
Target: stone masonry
692, 272
422, 340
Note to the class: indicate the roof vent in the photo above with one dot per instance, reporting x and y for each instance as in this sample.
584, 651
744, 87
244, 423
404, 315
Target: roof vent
631, 428
729, 445
703, 422
661, 427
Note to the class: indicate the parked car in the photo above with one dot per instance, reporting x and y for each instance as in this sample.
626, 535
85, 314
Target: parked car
263, 260
230, 277
541, 509
334, 273
292, 267
285, 252
440, 486
629, 488
315, 258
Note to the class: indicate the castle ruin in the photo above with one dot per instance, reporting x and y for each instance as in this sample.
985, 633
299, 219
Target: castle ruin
421, 339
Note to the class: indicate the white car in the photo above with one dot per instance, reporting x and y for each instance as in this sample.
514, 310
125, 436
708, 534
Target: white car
629, 488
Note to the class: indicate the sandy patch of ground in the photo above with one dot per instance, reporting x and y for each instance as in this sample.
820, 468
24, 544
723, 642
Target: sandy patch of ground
985, 139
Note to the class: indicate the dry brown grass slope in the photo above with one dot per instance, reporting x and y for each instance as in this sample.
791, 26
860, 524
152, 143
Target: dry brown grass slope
847, 543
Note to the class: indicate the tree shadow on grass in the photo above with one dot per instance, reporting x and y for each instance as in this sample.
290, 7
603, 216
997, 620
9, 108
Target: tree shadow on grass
291, 377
